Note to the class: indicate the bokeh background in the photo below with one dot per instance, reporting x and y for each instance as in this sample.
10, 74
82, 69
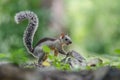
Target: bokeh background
94, 25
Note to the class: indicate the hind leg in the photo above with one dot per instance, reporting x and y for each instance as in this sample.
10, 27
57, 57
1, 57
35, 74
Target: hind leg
42, 58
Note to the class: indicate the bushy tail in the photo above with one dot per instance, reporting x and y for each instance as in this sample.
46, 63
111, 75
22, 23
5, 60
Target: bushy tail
31, 28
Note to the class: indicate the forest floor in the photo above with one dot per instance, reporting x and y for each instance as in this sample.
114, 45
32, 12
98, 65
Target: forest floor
13, 72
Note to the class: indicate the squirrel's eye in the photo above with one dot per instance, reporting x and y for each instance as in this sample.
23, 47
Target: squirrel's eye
66, 39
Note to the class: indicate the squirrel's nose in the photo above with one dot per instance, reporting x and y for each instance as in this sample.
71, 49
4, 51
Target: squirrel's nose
70, 42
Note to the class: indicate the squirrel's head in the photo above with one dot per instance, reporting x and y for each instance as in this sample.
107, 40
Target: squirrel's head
65, 39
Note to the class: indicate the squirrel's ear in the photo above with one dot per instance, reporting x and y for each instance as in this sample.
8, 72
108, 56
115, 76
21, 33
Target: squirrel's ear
62, 35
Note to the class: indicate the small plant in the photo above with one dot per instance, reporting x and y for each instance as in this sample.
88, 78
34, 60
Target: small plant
56, 62
18, 57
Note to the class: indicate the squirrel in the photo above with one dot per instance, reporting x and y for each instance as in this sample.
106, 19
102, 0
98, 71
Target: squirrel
54, 44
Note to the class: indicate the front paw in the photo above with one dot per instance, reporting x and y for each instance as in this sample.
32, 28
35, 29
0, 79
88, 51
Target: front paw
69, 53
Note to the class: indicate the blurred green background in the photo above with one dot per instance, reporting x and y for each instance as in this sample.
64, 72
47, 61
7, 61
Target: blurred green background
94, 25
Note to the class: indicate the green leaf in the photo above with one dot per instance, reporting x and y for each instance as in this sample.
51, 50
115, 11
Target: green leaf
46, 49
50, 56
